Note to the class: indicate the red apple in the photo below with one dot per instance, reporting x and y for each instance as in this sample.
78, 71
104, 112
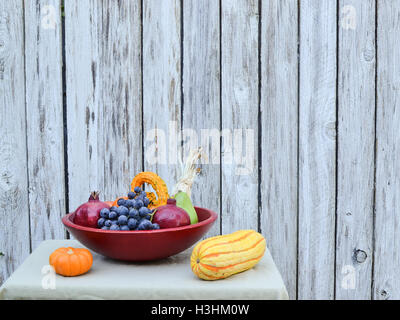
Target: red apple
171, 216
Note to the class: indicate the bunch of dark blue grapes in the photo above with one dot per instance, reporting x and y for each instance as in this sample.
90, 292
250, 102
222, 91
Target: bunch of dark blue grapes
131, 214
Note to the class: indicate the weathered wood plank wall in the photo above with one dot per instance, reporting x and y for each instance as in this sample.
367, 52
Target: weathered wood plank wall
317, 149
104, 113
14, 201
201, 93
162, 74
81, 94
85, 110
356, 127
240, 106
279, 134
44, 120
387, 201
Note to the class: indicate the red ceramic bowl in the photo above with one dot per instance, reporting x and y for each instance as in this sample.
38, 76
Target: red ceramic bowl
141, 245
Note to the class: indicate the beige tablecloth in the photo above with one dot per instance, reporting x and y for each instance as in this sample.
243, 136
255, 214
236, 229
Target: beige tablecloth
170, 278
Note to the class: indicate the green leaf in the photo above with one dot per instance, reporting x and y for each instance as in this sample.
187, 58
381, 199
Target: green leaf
183, 201
1, 254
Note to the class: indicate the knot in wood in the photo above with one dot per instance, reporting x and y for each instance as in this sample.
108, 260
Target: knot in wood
384, 294
360, 256
330, 130
369, 53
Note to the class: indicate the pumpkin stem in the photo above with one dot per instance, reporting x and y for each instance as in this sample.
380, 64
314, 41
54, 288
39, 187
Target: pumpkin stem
94, 195
70, 251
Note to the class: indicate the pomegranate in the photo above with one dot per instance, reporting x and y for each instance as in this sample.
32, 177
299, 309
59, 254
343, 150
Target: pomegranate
88, 213
171, 216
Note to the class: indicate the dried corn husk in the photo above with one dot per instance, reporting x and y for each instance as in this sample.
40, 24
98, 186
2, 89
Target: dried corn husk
188, 173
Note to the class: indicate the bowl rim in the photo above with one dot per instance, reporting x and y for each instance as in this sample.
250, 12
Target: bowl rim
68, 223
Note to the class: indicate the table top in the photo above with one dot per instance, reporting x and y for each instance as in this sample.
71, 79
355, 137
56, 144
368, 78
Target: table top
167, 279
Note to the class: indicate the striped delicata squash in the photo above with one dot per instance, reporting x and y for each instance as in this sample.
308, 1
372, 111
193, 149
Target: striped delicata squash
222, 256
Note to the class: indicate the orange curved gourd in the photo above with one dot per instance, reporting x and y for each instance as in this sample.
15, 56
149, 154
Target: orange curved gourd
158, 185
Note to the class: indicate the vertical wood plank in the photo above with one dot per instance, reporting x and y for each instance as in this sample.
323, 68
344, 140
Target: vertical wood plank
45, 127
14, 207
279, 121
103, 53
84, 108
387, 223
356, 137
162, 87
317, 147
201, 95
240, 108
120, 68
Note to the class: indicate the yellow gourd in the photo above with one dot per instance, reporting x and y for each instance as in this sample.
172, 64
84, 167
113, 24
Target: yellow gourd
222, 256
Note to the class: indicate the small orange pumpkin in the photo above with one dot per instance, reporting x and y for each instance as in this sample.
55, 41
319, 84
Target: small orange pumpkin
71, 262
